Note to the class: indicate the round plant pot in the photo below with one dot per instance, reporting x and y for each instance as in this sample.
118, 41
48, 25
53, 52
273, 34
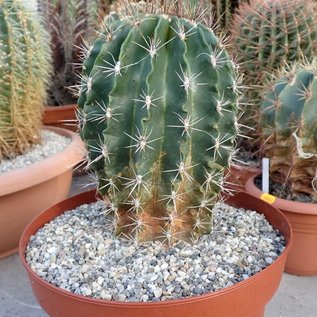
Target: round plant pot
237, 175
61, 117
244, 299
302, 258
26, 192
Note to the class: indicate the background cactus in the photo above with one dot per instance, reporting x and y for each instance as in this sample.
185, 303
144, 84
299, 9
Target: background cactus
71, 25
223, 11
268, 35
157, 109
289, 128
24, 74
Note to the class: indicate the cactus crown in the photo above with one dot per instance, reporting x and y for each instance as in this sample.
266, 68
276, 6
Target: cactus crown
158, 104
289, 128
267, 35
190, 9
24, 73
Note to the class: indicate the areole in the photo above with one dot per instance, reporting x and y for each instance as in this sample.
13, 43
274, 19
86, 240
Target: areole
244, 299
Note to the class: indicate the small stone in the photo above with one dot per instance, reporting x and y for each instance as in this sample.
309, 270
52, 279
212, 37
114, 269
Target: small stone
105, 295
158, 292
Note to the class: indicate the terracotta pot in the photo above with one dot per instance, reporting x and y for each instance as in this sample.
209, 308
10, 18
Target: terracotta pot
239, 174
61, 117
302, 258
26, 192
244, 299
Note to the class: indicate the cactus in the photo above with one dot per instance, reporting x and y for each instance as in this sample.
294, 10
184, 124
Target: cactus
190, 9
24, 74
267, 35
71, 25
224, 10
289, 128
158, 116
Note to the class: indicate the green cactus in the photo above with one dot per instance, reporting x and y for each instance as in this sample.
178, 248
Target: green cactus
24, 74
289, 128
158, 109
223, 12
268, 35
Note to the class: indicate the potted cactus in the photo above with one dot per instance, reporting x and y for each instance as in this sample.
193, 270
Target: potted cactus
158, 105
268, 35
289, 116
71, 25
25, 67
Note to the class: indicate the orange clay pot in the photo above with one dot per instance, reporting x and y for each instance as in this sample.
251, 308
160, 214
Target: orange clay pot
26, 192
237, 175
244, 299
302, 258
61, 117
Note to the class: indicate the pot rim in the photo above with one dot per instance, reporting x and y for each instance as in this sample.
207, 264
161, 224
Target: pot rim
60, 107
45, 169
31, 229
241, 167
295, 207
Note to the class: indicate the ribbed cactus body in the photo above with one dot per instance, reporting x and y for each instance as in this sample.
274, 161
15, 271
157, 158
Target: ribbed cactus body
268, 35
158, 102
24, 73
289, 129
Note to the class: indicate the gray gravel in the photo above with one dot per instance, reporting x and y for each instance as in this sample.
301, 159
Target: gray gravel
78, 253
52, 143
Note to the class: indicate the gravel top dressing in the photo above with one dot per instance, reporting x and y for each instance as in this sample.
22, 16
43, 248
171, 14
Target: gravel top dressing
77, 252
52, 143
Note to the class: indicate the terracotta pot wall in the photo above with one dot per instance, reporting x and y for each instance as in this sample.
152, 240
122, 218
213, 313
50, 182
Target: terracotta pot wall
24, 193
244, 299
302, 258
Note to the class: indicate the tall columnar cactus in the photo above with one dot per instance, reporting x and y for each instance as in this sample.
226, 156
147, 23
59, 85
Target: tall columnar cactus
289, 128
267, 35
158, 105
24, 73
223, 12
71, 25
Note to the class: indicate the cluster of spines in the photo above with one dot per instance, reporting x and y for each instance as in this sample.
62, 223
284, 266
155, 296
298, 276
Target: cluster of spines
71, 25
158, 100
223, 11
289, 128
24, 74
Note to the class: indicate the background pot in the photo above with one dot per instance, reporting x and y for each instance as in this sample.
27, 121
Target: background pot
302, 258
244, 299
237, 175
26, 192
61, 117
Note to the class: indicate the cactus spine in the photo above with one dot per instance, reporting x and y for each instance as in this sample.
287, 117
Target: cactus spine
289, 128
24, 73
158, 108
224, 10
268, 35
71, 25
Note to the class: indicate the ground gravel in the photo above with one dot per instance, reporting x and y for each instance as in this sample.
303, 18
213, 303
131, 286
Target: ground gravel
51, 144
77, 252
